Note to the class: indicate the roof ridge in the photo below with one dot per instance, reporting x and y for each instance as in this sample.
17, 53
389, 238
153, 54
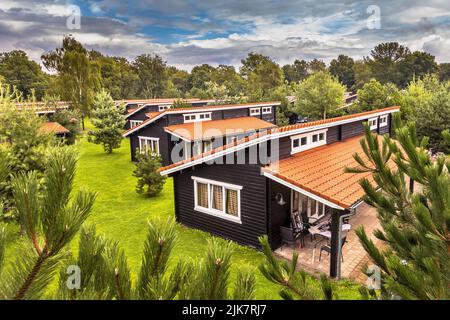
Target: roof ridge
272, 131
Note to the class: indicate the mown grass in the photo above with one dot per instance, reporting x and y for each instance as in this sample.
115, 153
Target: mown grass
121, 214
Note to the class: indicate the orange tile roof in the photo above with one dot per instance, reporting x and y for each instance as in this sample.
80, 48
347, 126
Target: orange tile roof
53, 127
273, 131
226, 106
215, 128
151, 115
320, 171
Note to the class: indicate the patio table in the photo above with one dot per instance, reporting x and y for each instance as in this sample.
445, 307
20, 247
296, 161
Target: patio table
327, 233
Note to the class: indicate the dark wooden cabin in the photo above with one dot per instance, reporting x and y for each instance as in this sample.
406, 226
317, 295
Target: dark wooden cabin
136, 110
161, 131
234, 194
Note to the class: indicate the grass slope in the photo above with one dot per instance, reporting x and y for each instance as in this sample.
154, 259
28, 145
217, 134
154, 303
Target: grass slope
121, 214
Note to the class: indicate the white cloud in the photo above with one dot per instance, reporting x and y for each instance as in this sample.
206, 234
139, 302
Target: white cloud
283, 30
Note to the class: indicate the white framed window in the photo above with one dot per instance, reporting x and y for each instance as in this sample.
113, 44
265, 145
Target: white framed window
373, 123
148, 144
162, 108
266, 110
218, 199
135, 123
383, 121
255, 111
314, 209
308, 140
193, 117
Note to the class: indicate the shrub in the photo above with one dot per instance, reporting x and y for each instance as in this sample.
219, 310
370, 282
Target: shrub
150, 182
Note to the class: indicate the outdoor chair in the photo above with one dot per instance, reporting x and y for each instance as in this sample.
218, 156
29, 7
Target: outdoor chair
289, 236
327, 248
298, 227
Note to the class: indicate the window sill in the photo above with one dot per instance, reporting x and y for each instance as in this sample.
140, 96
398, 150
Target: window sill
218, 214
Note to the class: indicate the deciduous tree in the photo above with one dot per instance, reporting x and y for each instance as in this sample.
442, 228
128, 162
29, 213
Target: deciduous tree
151, 70
26, 75
78, 74
342, 69
319, 96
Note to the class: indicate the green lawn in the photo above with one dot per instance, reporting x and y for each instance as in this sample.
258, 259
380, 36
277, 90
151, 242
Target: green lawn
121, 214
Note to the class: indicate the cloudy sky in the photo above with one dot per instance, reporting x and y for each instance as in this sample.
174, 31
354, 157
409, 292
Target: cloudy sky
191, 32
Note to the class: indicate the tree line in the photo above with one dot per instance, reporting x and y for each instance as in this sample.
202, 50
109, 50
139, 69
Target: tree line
149, 76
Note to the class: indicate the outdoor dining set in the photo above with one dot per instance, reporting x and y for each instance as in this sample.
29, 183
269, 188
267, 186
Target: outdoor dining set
319, 231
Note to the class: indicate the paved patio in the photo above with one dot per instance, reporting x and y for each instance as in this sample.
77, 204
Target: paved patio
354, 254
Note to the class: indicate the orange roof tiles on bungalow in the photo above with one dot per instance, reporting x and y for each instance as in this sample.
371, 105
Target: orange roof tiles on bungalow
198, 109
53, 127
320, 171
273, 134
215, 128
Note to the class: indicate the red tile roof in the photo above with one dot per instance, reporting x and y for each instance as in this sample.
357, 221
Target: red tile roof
279, 130
53, 127
151, 115
320, 171
215, 128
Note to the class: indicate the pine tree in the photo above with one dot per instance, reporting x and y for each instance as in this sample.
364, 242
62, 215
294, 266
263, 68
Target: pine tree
50, 218
295, 284
106, 274
108, 120
150, 182
415, 258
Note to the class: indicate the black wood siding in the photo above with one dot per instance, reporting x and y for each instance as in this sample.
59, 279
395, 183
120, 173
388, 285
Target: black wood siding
333, 134
386, 129
352, 129
155, 130
279, 215
253, 202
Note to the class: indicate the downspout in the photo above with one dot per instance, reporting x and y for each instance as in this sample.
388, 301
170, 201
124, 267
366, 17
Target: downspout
339, 248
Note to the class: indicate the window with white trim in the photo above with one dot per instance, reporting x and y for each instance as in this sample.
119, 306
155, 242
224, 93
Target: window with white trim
308, 140
135, 123
162, 108
217, 198
193, 117
266, 110
373, 123
383, 121
148, 144
255, 111
300, 202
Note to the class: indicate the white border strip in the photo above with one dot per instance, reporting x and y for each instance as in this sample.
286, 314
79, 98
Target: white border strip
302, 191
